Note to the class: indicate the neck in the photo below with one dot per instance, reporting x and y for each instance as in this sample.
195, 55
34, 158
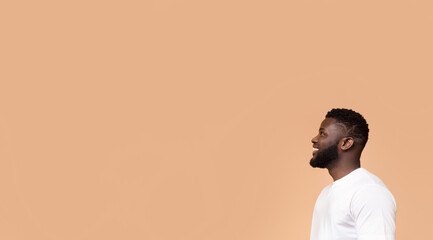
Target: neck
341, 168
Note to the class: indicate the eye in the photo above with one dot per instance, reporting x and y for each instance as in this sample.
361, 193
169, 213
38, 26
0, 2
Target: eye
322, 133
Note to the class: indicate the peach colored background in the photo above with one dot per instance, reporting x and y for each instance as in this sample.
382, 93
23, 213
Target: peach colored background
192, 120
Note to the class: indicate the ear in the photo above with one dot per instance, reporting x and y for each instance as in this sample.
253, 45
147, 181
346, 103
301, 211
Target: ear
347, 143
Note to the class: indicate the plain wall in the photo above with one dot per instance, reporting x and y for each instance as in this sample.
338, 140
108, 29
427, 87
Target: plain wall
192, 120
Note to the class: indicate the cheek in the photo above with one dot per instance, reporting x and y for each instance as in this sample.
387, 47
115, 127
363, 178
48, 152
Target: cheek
324, 146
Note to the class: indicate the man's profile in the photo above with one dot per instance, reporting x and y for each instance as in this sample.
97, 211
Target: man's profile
357, 205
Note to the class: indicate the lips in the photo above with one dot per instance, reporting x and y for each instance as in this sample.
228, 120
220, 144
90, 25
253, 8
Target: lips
315, 150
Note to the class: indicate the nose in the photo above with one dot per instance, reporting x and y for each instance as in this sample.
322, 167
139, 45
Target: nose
314, 140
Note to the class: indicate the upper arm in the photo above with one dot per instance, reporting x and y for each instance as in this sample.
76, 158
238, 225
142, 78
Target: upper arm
373, 209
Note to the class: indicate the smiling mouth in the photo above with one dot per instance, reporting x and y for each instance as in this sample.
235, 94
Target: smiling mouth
315, 150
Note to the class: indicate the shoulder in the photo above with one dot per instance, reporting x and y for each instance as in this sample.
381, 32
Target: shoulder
363, 182
372, 191
363, 176
372, 197
369, 186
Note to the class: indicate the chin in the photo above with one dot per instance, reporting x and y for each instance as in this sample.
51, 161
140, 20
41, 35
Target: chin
317, 164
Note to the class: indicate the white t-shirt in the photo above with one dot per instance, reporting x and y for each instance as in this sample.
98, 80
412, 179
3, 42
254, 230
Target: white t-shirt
357, 206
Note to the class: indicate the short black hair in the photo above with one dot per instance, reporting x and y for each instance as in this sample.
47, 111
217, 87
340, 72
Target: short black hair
355, 123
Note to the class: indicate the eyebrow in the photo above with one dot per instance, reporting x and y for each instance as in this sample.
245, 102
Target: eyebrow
321, 129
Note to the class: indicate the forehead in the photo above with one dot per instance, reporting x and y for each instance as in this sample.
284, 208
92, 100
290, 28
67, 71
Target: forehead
331, 125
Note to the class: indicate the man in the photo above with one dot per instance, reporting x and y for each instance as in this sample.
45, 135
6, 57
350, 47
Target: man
357, 205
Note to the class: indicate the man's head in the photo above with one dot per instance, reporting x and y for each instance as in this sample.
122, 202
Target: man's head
343, 132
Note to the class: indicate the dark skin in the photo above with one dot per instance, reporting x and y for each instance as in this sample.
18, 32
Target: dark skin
349, 151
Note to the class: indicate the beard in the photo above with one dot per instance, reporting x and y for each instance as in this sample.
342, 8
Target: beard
325, 157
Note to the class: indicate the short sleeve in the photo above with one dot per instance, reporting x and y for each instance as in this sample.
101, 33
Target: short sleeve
373, 209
